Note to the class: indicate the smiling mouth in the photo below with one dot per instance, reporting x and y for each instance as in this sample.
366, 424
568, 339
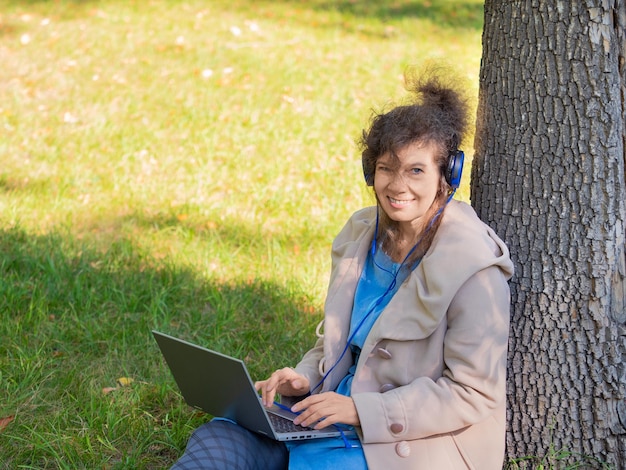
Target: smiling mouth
399, 202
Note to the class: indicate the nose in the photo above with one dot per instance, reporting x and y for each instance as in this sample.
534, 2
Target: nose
397, 181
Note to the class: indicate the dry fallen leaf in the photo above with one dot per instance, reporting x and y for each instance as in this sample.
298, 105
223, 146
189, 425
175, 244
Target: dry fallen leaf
121, 382
4, 422
125, 381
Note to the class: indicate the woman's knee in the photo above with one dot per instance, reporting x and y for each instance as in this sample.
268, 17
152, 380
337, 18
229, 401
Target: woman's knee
221, 444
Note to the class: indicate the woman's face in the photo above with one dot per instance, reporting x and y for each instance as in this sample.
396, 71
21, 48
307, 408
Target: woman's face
407, 186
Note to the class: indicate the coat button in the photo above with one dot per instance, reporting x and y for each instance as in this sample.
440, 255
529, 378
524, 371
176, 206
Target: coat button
396, 428
383, 353
403, 449
386, 388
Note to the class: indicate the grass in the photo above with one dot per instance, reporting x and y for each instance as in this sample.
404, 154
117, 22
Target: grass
557, 459
182, 166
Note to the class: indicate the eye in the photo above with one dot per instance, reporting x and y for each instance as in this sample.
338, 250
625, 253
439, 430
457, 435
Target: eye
416, 171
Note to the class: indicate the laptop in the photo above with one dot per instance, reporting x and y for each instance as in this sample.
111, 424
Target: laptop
221, 386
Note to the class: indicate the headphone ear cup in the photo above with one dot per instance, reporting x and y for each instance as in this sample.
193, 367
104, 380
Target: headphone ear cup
455, 169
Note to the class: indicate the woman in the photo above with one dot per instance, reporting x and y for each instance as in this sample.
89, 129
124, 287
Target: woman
413, 353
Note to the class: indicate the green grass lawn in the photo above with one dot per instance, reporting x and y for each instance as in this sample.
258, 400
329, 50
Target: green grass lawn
182, 166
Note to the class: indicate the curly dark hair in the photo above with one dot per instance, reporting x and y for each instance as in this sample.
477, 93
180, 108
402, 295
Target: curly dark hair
438, 115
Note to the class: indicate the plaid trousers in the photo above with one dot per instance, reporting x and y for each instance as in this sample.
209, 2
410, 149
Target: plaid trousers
222, 445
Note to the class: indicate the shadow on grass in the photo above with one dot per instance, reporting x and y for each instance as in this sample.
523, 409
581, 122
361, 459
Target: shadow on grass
451, 13
74, 320
58, 292
456, 13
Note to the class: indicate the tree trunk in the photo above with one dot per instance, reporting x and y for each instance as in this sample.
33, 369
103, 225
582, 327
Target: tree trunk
548, 175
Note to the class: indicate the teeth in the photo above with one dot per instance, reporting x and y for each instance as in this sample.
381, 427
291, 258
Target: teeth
397, 201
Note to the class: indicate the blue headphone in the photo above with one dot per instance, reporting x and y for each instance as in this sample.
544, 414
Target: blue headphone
452, 173
455, 169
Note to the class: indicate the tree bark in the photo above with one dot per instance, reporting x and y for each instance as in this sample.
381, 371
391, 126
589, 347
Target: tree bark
549, 175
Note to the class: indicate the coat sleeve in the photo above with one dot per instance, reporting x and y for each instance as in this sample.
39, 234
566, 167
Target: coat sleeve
473, 383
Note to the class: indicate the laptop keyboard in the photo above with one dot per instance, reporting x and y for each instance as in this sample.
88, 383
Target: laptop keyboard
282, 424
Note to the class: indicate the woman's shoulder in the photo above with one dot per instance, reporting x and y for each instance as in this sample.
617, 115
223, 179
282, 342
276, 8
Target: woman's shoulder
359, 223
358, 229
460, 212
461, 224
463, 239
365, 215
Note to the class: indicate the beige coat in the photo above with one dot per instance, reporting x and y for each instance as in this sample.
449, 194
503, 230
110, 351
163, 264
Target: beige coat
430, 382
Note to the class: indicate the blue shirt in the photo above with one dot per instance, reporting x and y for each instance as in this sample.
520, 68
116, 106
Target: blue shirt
380, 280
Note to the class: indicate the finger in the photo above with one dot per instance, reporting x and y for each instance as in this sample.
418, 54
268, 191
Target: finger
311, 412
285, 381
325, 409
296, 384
279, 382
308, 402
292, 383
268, 391
268, 398
315, 420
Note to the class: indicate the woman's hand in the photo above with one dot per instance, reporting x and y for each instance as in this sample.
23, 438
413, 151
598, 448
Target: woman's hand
285, 381
323, 409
